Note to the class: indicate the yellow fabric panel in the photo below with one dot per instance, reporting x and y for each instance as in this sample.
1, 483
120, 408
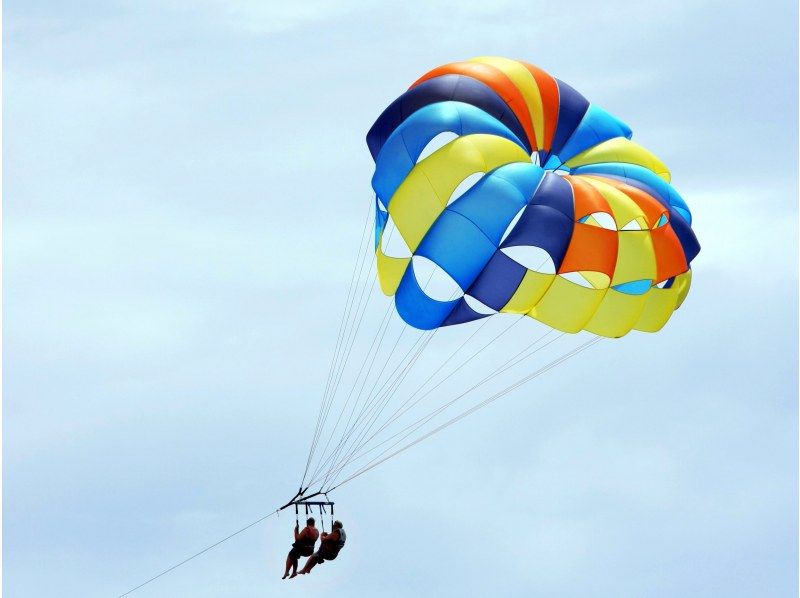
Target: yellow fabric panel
658, 309
423, 195
622, 150
616, 314
390, 271
531, 289
567, 306
683, 282
451, 164
523, 80
636, 258
414, 208
623, 208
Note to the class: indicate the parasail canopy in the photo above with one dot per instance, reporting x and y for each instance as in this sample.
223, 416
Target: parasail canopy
515, 194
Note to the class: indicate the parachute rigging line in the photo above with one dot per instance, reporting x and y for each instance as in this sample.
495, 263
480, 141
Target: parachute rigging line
471, 410
425, 338
357, 266
358, 453
513, 361
374, 463
197, 554
448, 376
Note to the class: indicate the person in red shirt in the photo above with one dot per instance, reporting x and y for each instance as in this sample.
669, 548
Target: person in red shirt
304, 542
329, 548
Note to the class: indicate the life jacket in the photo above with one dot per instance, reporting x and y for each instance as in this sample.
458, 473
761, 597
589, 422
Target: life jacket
330, 548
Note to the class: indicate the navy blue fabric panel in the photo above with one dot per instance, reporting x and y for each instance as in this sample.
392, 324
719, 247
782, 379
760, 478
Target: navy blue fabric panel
542, 226
555, 192
498, 282
440, 89
685, 234
571, 108
462, 313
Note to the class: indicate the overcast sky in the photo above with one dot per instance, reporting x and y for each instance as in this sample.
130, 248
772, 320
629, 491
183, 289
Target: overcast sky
184, 188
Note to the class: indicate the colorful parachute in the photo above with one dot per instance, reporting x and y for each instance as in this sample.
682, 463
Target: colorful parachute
530, 199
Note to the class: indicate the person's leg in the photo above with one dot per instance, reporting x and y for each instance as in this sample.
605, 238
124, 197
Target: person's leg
290, 562
312, 560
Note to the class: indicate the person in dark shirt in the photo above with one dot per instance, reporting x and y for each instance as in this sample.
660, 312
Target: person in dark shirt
329, 548
304, 542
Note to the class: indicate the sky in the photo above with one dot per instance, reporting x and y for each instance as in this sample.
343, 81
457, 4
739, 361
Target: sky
185, 185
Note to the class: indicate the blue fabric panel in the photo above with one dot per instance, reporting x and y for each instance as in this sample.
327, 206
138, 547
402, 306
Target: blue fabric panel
493, 201
416, 308
641, 178
596, 127
400, 152
553, 162
634, 287
555, 192
571, 108
542, 226
458, 246
498, 282
525, 176
685, 234
669, 283
440, 89
462, 313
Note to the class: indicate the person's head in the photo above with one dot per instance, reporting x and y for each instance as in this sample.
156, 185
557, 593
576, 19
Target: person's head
310, 522
337, 525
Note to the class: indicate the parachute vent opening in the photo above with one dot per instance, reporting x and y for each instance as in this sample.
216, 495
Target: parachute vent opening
512, 224
665, 284
577, 278
465, 185
634, 287
632, 225
535, 158
479, 306
533, 258
434, 281
436, 143
601, 219
662, 220
392, 242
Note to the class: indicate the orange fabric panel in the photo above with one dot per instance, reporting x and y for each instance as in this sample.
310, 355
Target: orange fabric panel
592, 249
670, 259
548, 89
496, 80
588, 200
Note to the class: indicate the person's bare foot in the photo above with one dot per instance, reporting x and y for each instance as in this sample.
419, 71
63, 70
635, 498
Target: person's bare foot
285, 575
293, 575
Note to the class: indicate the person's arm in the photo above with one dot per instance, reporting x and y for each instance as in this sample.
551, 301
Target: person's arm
334, 536
297, 533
